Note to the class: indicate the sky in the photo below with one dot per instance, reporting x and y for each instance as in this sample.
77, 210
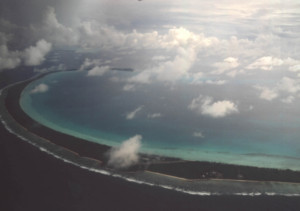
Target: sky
211, 45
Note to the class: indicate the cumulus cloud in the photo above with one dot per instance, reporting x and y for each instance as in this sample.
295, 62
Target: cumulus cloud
167, 53
265, 63
288, 100
125, 155
31, 56
234, 73
295, 68
267, 93
289, 85
227, 64
285, 85
198, 134
131, 115
35, 55
98, 71
159, 58
216, 82
41, 88
184, 43
88, 63
218, 109
9, 59
95, 67
170, 70
91, 34
56, 32
129, 87
269, 62
154, 115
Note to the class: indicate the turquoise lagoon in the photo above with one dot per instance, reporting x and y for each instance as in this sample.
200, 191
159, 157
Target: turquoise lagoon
95, 109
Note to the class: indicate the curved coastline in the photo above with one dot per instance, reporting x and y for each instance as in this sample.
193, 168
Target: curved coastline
108, 125
69, 142
92, 154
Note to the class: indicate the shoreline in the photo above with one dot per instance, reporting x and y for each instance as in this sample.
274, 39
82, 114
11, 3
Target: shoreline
73, 188
172, 167
214, 179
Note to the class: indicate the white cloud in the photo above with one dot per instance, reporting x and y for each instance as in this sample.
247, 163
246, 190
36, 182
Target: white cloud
129, 87
216, 82
198, 134
93, 34
35, 55
288, 100
154, 115
168, 71
88, 63
269, 62
9, 59
159, 58
131, 115
98, 71
197, 78
295, 68
56, 32
41, 88
31, 56
125, 155
234, 73
265, 63
179, 37
173, 52
143, 77
227, 64
267, 93
184, 43
286, 84
289, 85
206, 106
177, 68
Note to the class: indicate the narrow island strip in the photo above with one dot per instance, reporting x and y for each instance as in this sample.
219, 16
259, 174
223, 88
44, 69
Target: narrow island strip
172, 167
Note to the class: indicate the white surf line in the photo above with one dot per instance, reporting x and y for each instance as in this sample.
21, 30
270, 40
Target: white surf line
129, 179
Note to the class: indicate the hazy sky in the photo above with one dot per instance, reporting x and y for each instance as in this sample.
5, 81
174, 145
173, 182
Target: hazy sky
214, 44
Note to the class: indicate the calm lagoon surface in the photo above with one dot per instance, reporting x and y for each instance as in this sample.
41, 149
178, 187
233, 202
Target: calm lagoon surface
102, 110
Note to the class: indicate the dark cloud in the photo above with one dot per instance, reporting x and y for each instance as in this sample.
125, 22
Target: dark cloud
32, 11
